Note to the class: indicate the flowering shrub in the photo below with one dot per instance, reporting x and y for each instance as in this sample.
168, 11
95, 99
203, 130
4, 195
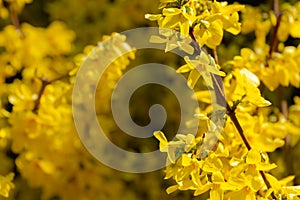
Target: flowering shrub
254, 133
239, 166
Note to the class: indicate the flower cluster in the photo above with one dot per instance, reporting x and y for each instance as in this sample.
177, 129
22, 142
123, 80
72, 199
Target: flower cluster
207, 19
248, 131
12, 6
238, 166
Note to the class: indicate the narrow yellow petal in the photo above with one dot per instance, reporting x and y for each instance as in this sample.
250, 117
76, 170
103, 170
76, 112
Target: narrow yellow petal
253, 157
273, 182
171, 11
186, 160
193, 78
184, 68
216, 193
172, 189
152, 17
157, 39
187, 48
162, 139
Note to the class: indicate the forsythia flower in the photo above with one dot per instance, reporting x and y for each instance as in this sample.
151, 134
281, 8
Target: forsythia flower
6, 185
173, 41
290, 22
15, 6
242, 86
237, 166
282, 69
208, 24
174, 18
203, 65
254, 20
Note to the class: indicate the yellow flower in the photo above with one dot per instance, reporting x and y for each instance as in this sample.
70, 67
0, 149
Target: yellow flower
13, 6
242, 86
280, 187
176, 18
209, 33
281, 69
173, 41
181, 18
254, 20
290, 23
228, 14
175, 149
254, 158
6, 185
202, 65
209, 30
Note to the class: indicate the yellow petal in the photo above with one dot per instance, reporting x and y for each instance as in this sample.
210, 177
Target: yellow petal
261, 102
273, 182
286, 180
171, 11
253, 157
202, 189
204, 96
184, 68
216, 31
294, 29
172, 189
217, 177
212, 165
6, 185
46, 166
157, 39
152, 17
216, 193
175, 150
291, 190
162, 139
265, 166
256, 183
170, 46
250, 77
193, 78
187, 48
186, 160
184, 27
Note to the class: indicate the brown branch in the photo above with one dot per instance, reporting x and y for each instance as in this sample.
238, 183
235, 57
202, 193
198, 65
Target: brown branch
15, 21
45, 82
37, 102
263, 175
232, 115
59, 78
276, 7
274, 40
216, 55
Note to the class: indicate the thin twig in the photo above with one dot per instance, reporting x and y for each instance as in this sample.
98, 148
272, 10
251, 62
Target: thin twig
232, 115
274, 40
45, 82
37, 102
216, 55
16, 22
276, 7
